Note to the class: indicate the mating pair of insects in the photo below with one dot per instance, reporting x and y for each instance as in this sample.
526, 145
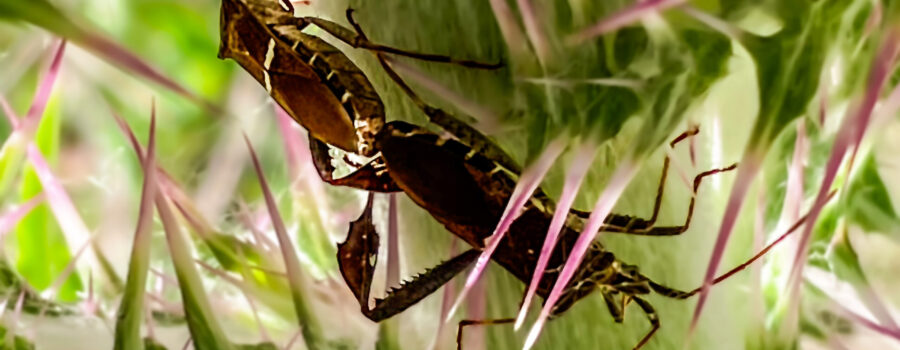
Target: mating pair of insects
464, 182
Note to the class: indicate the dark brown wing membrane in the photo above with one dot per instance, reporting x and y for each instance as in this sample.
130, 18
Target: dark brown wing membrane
248, 39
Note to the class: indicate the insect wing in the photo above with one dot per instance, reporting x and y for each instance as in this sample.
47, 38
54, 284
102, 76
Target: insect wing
246, 38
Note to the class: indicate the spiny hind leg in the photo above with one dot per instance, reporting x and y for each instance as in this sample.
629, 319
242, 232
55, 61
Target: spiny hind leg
357, 39
357, 257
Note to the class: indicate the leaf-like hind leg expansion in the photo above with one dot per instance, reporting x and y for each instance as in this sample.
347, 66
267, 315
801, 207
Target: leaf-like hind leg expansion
358, 40
372, 176
465, 323
357, 257
358, 254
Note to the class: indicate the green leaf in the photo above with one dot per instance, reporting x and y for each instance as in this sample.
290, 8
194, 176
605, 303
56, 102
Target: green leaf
387, 335
261, 346
868, 203
150, 344
628, 44
131, 309
790, 63
845, 262
206, 333
822, 235
43, 14
12, 161
710, 52
12, 284
40, 13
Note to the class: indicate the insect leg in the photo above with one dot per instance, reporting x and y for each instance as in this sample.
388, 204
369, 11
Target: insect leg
637, 226
372, 176
357, 257
657, 203
358, 39
358, 254
616, 310
411, 292
651, 316
670, 292
464, 323
677, 294
616, 219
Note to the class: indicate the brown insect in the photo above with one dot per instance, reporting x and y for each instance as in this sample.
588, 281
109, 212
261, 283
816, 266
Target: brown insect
467, 193
464, 182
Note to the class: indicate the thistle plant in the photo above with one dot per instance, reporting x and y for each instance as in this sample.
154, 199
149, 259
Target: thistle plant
152, 196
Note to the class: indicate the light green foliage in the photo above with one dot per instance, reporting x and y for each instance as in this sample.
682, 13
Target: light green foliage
868, 203
262, 346
150, 344
789, 63
844, 261
206, 332
41, 13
